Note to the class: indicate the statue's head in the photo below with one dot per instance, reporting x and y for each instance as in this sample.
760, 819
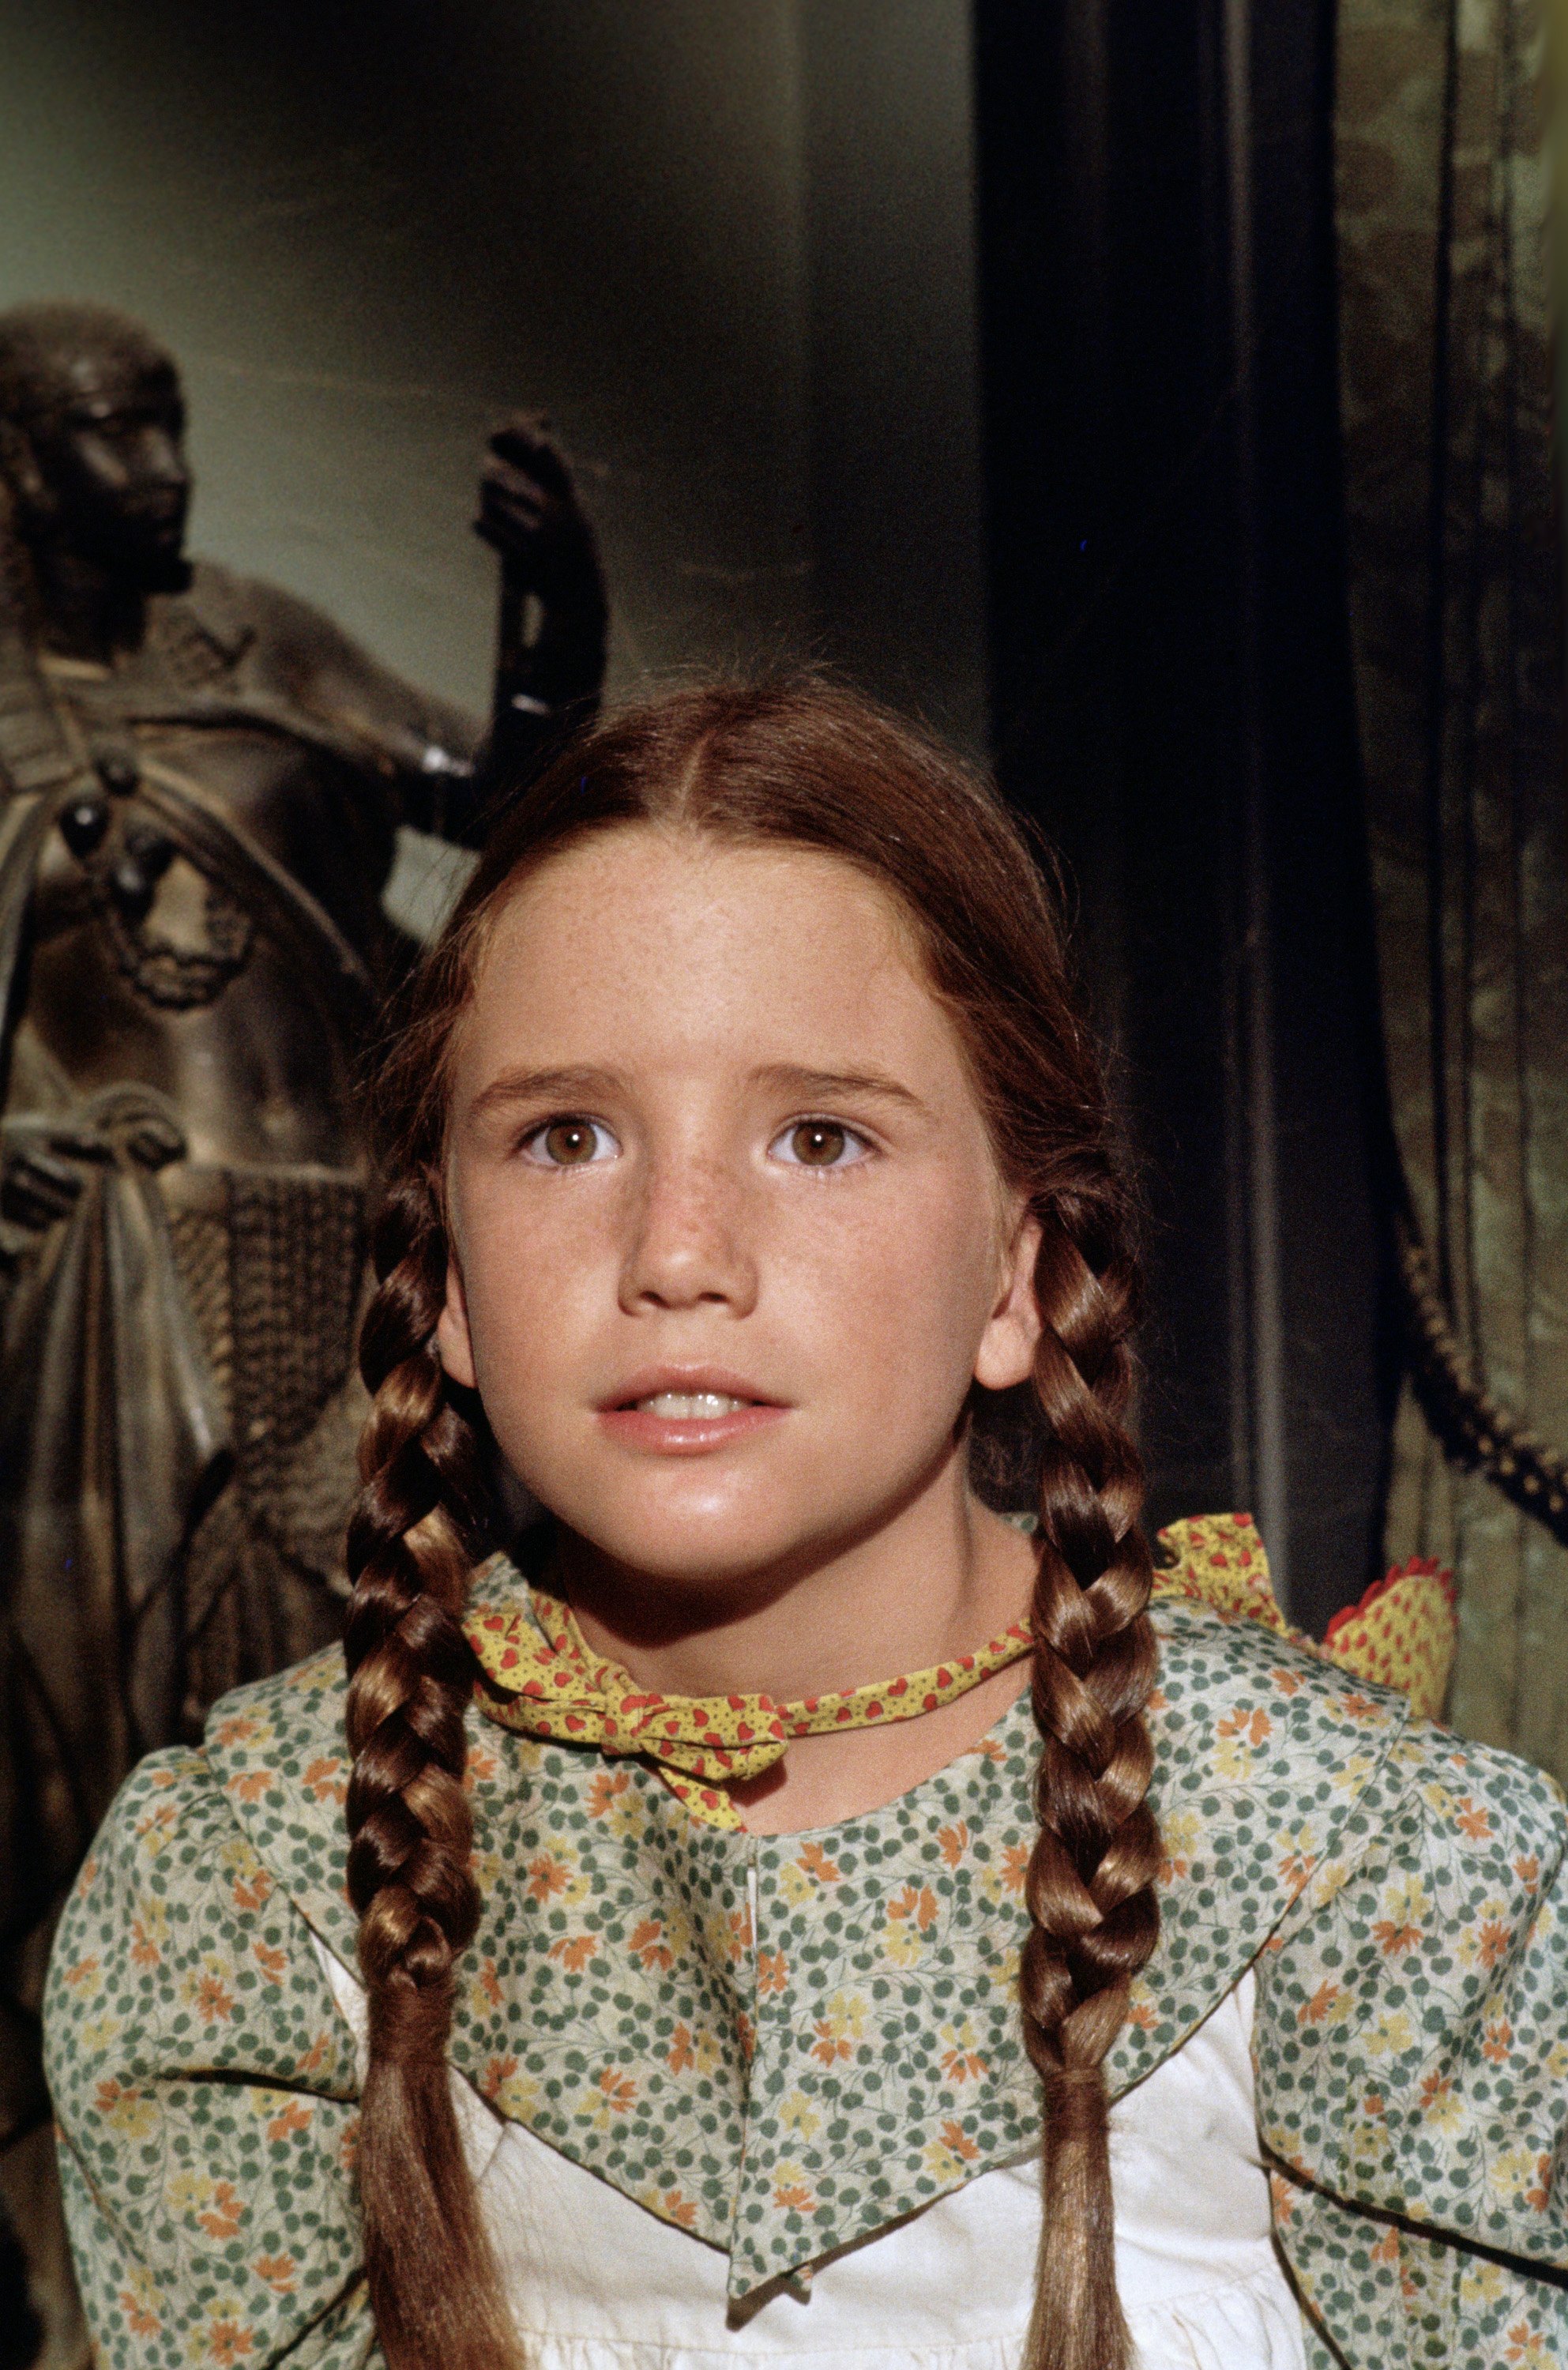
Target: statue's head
92, 428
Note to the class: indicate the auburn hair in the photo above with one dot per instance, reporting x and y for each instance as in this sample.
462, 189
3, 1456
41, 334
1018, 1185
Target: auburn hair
801, 764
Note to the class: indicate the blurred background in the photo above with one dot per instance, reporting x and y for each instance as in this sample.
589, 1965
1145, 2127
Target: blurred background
1032, 367
1158, 400
1026, 364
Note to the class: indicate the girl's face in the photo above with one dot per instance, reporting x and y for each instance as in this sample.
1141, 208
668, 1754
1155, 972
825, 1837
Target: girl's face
729, 1243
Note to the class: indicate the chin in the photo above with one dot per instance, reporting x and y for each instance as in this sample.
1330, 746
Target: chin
703, 1542
164, 571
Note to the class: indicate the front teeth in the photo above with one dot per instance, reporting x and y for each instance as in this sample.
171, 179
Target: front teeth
687, 1405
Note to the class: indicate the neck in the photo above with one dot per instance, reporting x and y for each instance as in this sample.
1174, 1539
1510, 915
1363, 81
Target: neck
939, 1578
85, 612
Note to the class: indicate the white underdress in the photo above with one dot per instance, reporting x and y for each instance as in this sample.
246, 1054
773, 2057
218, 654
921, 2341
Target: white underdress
598, 2282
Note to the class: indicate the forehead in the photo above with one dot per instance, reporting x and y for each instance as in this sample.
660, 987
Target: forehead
663, 945
96, 380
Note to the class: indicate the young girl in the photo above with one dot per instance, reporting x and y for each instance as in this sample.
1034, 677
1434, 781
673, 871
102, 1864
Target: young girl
793, 1915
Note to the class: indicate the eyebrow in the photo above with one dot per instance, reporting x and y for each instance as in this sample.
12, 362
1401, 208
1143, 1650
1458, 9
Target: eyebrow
827, 1086
566, 1085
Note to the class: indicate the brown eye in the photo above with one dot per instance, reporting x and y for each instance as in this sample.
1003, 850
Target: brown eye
568, 1142
818, 1143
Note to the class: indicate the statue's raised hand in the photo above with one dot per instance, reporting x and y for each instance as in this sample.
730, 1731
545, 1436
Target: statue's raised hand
530, 514
554, 617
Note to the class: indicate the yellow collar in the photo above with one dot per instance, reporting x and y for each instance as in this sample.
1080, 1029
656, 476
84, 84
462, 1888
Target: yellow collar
542, 1678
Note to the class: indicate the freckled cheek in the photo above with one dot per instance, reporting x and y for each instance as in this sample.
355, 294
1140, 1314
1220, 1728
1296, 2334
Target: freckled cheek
536, 1276
900, 1291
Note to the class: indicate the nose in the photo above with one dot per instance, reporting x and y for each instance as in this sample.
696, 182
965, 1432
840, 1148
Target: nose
689, 1245
161, 465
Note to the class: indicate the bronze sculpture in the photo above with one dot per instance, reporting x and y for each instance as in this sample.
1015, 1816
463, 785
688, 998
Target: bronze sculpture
200, 780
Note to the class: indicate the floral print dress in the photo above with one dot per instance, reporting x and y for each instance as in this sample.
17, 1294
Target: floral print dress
783, 2045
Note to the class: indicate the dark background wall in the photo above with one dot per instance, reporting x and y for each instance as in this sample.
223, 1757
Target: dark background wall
728, 248
989, 352
1173, 692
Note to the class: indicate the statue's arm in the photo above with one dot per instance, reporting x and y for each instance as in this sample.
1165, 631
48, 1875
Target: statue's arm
441, 770
421, 753
554, 609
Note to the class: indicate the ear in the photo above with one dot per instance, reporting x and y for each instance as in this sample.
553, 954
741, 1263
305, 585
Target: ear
454, 1343
18, 464
1006, 1355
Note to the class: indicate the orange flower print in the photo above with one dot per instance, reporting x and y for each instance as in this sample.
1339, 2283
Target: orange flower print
1526, 1868
772, 1971
489, 1983
682, 2051
214, 2002
295, 2117
1386, 2249
250, 1788
838, 2031
954, 1842
815, 1863
961, 2062
499, 2071
272, 1963
324, 1780
223, 2216
648, 1944
140, 2319
316, 2056
574, 1951
952, 2148
144, 1951
1491, 1942
251, 1892
1015, 1868
1360, 1708
671, 2206
547, 1876
1497, 2040
607, 1787
228, 2343
618, 2091
920, 1906
1471, 1822
1289, 1683
1438, 2103
1314, 2011
278, 2272
1399, 1932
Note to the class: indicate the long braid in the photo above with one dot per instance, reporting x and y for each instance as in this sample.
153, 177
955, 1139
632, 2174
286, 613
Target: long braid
432, 2283
807, 767
1089, 1890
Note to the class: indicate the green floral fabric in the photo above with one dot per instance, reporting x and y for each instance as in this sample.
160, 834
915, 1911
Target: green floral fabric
782, 2043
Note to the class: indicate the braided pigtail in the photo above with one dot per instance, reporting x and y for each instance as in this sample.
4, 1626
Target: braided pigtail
808, 767
1093, 1915
433, 2281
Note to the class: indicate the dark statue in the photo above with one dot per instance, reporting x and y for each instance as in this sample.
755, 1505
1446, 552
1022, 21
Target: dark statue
200, 782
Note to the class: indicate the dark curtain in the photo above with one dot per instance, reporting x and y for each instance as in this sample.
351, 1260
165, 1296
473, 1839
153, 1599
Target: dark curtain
1454, 584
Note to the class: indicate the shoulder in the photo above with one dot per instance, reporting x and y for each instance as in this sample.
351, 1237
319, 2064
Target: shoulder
1260, 1755
247, 614
277, 1753
1236, 1699
281, 645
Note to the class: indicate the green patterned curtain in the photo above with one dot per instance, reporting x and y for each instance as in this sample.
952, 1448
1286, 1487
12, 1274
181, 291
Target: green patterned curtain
1444, 198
